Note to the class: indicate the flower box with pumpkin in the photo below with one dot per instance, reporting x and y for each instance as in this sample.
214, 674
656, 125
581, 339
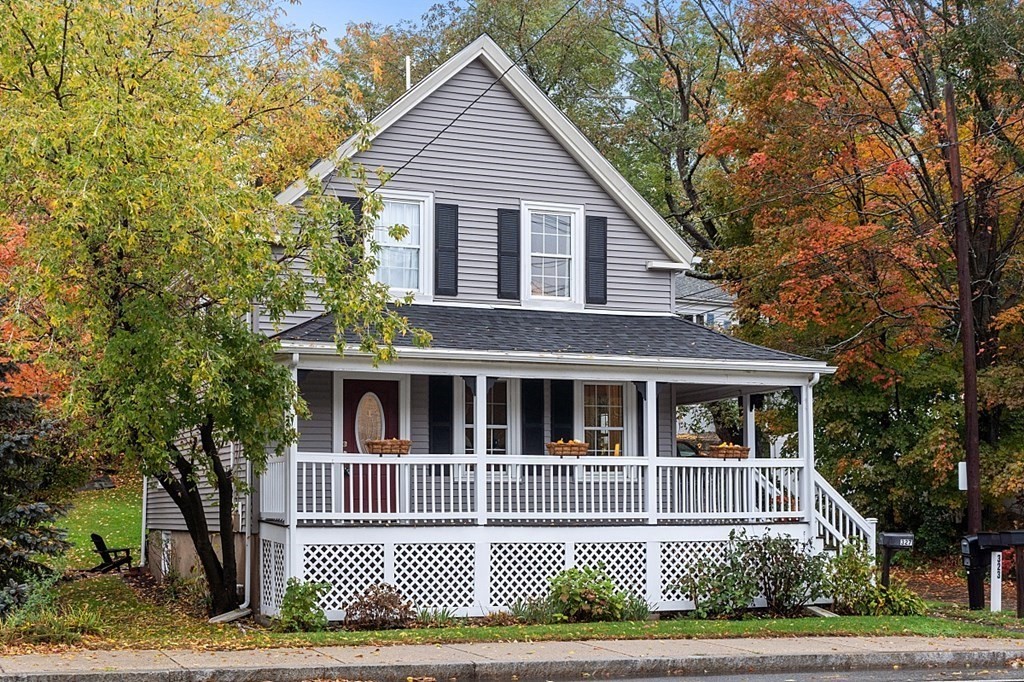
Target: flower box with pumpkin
726, 451
388, 446
573, 448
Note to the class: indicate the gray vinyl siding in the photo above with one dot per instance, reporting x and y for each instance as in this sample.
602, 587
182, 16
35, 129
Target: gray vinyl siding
492, 157
313, 305
317, 432
163, 514
666, 422
420, 418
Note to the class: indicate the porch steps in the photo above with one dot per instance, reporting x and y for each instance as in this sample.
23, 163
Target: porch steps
836, 521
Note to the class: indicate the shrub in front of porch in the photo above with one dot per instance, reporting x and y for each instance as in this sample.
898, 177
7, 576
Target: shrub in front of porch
586, 594
379, 607
785, 572
300, 607
857, 591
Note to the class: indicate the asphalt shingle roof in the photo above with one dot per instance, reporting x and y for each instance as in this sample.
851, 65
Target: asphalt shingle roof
700, 290
542, 331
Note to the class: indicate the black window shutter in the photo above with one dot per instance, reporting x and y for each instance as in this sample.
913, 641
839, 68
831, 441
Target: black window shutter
446, 249
597, 259
562, 394
440, 414
356, 204
508, 253
532, 397
640, 414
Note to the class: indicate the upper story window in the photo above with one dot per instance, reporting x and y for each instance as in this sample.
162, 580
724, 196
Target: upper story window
404, 263
553, 250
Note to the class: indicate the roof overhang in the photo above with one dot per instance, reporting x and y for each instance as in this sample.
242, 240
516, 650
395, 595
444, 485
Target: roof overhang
556, 123
639, 363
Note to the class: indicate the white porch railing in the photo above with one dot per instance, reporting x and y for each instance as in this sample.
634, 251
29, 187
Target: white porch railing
443, 489
742, 490
274, 489
836, 520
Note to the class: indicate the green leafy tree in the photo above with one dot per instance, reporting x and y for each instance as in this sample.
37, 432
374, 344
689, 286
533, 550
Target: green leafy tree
576, 63
144, 146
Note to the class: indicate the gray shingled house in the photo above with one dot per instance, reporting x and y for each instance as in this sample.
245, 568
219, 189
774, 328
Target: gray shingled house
539, 425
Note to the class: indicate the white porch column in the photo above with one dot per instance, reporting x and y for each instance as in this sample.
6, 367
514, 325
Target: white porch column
650, 427
293, 551
749, 434
292, 466
480, 447
805, 434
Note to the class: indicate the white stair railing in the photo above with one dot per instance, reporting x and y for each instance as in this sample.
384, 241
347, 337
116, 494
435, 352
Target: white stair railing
836, 521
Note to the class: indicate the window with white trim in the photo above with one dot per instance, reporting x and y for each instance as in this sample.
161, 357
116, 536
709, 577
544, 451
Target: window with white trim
604, 418
553, 253
497, 419
404, 262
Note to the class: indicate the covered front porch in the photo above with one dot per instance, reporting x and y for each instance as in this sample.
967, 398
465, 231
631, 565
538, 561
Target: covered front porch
472, 519
632, 472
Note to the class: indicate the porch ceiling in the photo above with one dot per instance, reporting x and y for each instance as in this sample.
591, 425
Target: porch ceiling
505, 330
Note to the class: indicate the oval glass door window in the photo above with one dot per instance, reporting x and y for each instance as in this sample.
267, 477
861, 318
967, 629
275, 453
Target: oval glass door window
369, 420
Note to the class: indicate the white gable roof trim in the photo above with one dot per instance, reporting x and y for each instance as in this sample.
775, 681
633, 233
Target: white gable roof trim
556, 123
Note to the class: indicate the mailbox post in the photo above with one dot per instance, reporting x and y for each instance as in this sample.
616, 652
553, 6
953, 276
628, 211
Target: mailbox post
891, 542
993, 544
1015, 539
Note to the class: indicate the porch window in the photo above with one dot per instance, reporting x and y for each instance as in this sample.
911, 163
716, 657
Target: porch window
603, 418
402, 261
497, 419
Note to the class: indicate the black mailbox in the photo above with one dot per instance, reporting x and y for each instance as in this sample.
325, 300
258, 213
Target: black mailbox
890, 542
896, 540
1012, 538
970, 551
994, 542
974, 561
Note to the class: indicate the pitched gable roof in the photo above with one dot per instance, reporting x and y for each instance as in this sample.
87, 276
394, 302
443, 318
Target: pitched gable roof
546, 113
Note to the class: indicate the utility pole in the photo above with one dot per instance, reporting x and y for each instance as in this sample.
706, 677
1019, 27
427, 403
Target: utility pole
963, 275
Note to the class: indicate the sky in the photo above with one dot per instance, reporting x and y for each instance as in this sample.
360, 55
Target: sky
333, 15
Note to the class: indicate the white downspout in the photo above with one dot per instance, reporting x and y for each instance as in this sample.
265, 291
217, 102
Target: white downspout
145, 498
248, 534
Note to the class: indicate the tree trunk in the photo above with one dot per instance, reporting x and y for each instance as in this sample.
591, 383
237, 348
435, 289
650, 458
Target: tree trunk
220, 572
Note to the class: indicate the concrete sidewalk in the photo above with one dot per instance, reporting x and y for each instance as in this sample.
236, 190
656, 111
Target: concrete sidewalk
519, 660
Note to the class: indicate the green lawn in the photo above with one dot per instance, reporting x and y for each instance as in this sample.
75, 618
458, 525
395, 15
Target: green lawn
130, 622
116, 514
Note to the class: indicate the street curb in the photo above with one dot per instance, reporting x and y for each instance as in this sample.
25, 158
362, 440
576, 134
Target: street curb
527, 671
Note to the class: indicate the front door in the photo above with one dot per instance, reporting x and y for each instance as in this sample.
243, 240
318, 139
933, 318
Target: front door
370, 412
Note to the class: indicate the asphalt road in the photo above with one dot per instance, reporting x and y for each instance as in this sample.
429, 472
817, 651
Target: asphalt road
897, 675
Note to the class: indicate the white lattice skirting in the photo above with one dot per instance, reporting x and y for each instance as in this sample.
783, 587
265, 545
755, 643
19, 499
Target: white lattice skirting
478, 569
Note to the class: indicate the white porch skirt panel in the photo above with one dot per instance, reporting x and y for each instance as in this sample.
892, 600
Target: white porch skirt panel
475, 570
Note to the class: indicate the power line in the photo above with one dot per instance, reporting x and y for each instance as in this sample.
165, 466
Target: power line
515, 62
940, 222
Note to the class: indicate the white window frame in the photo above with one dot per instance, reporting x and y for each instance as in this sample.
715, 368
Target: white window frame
629, 407
512, 438
577, 254
426, 202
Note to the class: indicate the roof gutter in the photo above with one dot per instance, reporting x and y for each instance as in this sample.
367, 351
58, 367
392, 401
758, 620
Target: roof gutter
632, 361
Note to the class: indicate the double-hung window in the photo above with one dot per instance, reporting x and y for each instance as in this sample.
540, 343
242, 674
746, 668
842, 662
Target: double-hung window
404, 262
552, 246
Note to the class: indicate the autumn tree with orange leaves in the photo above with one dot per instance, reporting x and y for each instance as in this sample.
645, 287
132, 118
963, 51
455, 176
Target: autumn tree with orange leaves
799, 144
838, 149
